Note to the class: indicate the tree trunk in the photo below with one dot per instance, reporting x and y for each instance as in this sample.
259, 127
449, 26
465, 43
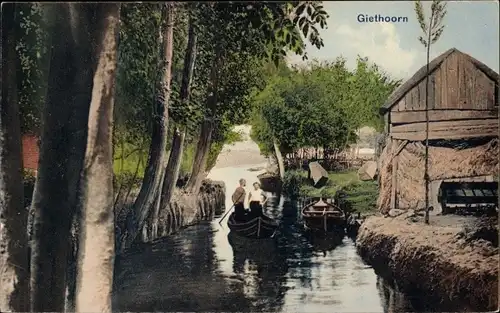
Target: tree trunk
14, 250
279, 158
96, 249
174, 160
172, 170
157, 152
62, 152
198, 171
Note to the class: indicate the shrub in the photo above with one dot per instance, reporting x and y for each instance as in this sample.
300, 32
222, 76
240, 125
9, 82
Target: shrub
292, 183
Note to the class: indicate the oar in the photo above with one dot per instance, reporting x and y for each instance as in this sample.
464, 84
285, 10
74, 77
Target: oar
228, 211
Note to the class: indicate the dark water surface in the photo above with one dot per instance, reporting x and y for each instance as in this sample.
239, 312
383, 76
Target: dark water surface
203, 269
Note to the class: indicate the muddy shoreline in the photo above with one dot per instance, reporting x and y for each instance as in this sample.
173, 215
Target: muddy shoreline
452, 263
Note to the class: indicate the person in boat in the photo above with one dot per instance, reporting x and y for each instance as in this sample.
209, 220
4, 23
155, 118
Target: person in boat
238, 198
256, 199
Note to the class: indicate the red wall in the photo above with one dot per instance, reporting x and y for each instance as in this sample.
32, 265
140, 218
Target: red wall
30, 152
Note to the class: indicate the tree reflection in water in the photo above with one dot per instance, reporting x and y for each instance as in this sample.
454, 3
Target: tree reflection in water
175, 274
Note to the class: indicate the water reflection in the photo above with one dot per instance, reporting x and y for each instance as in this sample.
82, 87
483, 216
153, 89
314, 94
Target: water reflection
394, 301
207, 268
262, 270
324, 242
177, 273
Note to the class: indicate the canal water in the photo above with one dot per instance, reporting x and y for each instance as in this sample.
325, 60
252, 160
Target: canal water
205, 268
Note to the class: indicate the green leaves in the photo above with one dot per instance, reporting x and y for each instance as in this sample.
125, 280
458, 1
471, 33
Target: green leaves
33, 59
419, 11
433, 28
319, 106
138, 67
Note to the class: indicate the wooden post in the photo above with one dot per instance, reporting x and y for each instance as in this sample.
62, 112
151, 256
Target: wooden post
394, 175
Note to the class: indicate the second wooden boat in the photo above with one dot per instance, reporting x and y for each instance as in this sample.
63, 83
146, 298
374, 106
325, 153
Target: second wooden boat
322, 216
256, 228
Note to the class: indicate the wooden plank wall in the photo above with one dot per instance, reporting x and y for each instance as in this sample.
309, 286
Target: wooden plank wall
456, 85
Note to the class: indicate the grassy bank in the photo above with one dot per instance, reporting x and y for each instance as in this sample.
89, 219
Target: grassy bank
361, 194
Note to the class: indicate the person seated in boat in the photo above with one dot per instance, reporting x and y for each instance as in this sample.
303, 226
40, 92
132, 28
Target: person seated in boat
256, 199
238, 198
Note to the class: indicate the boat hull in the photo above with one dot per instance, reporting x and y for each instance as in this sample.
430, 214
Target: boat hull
324, 221
244, 245
256, 228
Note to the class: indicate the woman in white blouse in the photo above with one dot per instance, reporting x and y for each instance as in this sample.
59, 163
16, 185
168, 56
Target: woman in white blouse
256, 198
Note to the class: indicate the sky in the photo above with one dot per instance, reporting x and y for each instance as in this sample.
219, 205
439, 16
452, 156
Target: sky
470, 26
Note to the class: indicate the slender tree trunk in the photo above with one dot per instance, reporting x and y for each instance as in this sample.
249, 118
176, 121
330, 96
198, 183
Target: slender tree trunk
62, 152
14, 250
173, 167
426, 166
174, 160
198, 171
279, 158
154, 169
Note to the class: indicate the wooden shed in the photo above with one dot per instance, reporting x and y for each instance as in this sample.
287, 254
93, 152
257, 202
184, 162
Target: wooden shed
463, 130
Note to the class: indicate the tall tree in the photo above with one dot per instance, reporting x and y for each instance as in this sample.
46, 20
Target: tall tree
320, 105
62, 151
77, 41
96, 244
432, 30
174, 161
157, 153
14, 259
256, 30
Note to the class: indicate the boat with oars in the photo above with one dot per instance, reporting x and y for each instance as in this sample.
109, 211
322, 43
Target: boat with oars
256, 228
322, 216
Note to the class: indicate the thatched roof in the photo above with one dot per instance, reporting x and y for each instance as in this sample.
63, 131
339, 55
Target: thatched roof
421, 74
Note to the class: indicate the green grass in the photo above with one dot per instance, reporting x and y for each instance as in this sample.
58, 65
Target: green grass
132, 155
361, 194
131, 158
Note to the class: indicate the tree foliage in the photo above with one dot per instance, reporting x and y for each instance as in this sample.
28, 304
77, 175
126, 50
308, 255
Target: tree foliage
32, 57
321, 105
432, 29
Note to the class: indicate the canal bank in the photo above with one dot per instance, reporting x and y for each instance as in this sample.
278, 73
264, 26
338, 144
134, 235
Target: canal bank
452, 263
184, 209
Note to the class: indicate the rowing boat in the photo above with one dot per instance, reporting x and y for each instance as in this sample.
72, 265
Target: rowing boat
323, 216
257, 227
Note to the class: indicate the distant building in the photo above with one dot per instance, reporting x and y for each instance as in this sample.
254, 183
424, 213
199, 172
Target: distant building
30, 152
